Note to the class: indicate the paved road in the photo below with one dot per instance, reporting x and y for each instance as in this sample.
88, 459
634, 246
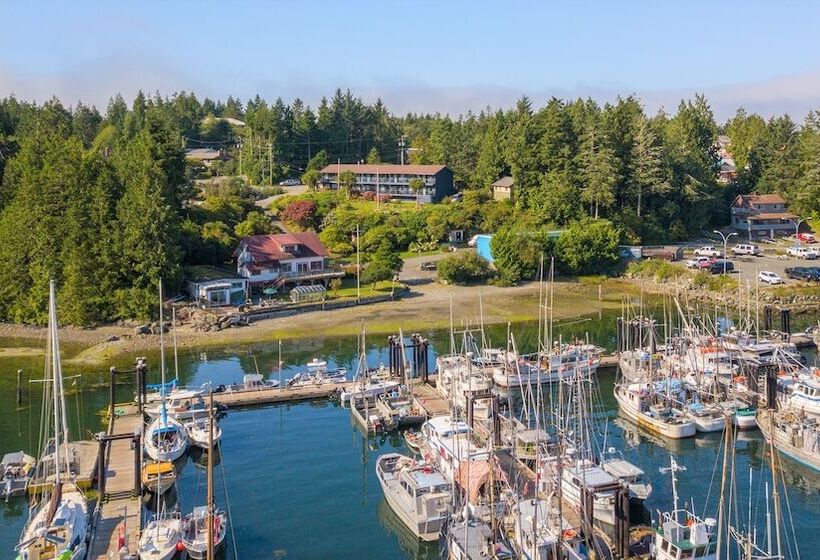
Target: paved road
411, 271
265, 202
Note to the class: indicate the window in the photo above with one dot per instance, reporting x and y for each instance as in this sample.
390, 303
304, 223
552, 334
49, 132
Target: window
284, 267
302, 267
316, 265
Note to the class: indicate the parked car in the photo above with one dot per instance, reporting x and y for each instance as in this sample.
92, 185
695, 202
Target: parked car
708, 251
769, 277
289, 183
746, 249
802, 252
721, 267
698, 262
806, 273
428, 265
806, 238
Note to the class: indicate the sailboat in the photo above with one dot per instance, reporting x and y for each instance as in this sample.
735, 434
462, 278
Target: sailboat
165, 437
204, 529
58, 528
160, 537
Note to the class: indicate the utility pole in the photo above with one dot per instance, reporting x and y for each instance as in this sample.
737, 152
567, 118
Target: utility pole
270, 164
401, 149
240, 157
358, 268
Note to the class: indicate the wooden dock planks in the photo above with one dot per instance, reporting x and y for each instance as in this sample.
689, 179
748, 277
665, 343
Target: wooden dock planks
121, 509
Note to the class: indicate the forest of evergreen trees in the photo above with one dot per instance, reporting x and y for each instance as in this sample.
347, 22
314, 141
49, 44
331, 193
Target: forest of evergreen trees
102, 201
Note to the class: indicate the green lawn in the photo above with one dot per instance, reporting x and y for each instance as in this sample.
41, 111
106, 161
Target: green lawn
410, 254
348, 288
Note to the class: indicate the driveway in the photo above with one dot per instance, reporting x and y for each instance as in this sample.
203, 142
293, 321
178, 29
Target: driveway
747, 267
289, 191
412, 272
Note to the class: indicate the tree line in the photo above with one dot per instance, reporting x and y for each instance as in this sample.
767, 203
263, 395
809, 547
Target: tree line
104, 203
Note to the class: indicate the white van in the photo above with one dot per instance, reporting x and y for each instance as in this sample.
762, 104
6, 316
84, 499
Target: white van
747, 249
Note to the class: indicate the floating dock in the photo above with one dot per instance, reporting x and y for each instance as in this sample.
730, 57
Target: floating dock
83, 465
256, 397
117, 518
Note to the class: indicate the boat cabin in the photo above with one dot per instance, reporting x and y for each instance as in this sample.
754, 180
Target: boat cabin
692, 539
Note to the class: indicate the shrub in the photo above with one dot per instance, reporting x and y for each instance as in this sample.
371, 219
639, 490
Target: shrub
660, 271
589, 247
463, 268
300, 213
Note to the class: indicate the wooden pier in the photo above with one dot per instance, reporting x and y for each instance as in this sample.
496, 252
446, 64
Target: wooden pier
116, 520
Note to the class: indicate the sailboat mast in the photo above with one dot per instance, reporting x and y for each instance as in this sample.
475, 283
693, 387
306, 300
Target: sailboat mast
174, 327
209, 519
161, 339
775, 494
55, 361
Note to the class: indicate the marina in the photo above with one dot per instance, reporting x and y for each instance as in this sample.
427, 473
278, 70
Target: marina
121, 510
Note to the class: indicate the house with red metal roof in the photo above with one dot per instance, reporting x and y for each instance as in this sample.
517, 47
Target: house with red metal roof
762, 215
394, 180
284, 258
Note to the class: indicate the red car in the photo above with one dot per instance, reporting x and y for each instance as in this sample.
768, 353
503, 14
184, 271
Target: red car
806, 238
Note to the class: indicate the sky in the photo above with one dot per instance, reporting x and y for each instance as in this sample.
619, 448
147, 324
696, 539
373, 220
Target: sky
421, 56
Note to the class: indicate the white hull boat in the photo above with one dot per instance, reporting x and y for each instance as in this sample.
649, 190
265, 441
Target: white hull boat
160, 537
663, 421
61, 537
195, 531
165, 441
369, 389
15, 469
198, 431
416, 492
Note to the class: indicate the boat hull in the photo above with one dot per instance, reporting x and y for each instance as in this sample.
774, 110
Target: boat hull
665, 429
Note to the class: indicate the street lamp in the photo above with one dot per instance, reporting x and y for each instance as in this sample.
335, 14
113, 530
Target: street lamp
797, 230
725, 243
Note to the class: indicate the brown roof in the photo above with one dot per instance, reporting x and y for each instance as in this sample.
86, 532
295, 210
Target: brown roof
504, 182
773, 216
383, 168
748, 199
269, 248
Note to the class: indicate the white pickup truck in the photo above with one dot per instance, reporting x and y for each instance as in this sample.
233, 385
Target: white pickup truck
708, 251
802, 252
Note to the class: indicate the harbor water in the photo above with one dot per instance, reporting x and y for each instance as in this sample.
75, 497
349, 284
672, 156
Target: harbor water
299, 481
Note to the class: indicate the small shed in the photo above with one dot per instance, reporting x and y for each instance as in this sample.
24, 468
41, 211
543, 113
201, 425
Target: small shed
212, 286
301, 294
502, 189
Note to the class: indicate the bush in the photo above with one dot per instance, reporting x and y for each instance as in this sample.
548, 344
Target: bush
301, 213
660, 271
714, 282
589, 247
518, 253
463, 268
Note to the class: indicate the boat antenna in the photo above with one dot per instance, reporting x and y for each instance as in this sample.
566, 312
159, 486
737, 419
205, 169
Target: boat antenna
673, 468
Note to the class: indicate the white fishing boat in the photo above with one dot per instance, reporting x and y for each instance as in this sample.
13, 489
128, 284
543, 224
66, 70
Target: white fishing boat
448, 443
706, 418
195, 531
460, 381
613, 462
416, 492
182, 405
743, 415
792, 434
15, 469
585, 474
537, 532
638, 402
158, 477
473, 539
638, 365
57, 527
369, 389
681, 534
548, 367
160, 537
198, 431
317, 374
804, 396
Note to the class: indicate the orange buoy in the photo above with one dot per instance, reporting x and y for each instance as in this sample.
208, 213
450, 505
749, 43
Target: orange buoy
180, 546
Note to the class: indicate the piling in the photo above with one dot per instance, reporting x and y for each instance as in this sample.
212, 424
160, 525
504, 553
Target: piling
19, 387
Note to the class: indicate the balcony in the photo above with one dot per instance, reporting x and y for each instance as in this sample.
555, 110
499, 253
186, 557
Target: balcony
317, 274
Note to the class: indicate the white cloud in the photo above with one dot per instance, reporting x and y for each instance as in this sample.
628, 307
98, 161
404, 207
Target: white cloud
96, 82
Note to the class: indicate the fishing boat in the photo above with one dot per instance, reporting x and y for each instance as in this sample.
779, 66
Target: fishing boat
368, 416
368, 383
15, 468
793, 434
804, 395
638, 402
638, 365
416, 492
158, 477
160, 537
165, 437
536, 532
562, 361
57, 527
317, 374
682, 534
401, 409
586, 475
613, 462
706, 418
448, 442
473, 539
198, 431
181, 405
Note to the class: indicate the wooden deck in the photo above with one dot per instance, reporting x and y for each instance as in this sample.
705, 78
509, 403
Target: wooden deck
118, 510
430, 400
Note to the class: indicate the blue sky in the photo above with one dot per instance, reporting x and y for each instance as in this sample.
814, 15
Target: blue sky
424, 55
